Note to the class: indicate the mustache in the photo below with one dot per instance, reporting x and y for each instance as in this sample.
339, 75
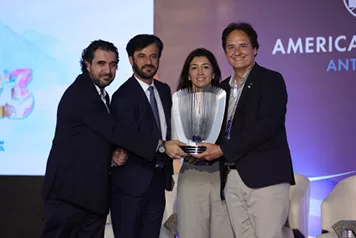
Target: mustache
148, 66
109, 75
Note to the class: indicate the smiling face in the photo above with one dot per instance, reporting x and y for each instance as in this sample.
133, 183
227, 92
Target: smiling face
239, 51
145, 62
200, 72
102, 69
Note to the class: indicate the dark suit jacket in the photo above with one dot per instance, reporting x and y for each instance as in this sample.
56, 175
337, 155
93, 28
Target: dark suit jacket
78, 164
258, 143
130, 103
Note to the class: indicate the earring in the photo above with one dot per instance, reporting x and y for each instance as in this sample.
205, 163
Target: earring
213, 76
188, 78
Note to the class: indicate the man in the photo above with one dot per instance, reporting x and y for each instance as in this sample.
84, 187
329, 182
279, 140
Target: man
144, 104
253, 140
76, 183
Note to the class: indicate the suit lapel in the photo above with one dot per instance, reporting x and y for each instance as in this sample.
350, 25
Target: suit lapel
247, 90
139, 93
142, 97
86, 80
226, 86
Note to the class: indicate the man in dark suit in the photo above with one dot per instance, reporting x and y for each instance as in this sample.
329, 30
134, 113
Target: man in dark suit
138, 186
255, 156
76, 183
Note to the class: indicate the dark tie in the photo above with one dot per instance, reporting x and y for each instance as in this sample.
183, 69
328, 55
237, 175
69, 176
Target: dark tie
154, 107
104, 98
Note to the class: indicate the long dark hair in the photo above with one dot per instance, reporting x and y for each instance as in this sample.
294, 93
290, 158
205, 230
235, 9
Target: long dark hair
184, 81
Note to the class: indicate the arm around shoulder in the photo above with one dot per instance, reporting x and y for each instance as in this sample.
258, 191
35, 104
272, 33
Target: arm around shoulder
96, 117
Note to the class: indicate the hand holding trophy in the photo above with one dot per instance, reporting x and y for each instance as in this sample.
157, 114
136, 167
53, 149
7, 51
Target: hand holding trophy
197, 116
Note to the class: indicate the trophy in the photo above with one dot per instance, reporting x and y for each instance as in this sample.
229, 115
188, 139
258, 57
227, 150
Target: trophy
197, 116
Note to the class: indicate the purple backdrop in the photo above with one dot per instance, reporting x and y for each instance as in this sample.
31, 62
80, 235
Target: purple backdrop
321, 119
313, 44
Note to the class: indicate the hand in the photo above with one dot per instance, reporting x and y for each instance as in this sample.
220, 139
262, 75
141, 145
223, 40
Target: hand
212, 152
119, 156
173, 149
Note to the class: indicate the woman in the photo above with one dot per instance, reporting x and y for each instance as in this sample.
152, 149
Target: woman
200, 210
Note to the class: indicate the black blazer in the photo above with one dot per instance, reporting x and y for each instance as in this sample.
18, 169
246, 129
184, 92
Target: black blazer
78, 164
130, 104
258, 143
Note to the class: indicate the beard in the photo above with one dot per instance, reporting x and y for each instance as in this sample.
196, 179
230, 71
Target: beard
140, 71
102, 83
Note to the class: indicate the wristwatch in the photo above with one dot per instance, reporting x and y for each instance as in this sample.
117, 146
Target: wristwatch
162, 147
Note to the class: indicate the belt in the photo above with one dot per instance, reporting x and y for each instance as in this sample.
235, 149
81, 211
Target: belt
231, 167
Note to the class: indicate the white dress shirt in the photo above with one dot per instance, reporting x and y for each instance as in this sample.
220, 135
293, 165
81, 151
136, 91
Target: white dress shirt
162, 116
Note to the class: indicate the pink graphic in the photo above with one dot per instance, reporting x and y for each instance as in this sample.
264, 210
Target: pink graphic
16, 102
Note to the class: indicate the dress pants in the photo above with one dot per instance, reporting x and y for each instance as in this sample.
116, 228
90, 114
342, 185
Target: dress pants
201, 212
65, 220
256, 213
139, 217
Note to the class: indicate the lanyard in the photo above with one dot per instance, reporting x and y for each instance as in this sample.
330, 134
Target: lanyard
236, 93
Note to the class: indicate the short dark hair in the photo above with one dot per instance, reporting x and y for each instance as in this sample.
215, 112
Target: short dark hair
141, 41
89, 52
184, 81
240, 26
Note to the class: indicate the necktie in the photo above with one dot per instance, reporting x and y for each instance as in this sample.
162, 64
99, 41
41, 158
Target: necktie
160, 161
102, 95
154, 107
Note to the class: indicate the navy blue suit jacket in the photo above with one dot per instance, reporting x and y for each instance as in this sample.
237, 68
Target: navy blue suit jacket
258, 143
78, 164
130, 104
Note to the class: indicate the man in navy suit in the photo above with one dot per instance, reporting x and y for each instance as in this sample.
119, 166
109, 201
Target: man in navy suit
138, 186
76, 183
255, 157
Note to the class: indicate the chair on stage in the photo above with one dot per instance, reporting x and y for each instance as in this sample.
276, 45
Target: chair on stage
298, 218
339, 205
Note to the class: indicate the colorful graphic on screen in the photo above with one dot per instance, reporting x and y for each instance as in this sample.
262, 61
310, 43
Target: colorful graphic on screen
16, 101
40, 49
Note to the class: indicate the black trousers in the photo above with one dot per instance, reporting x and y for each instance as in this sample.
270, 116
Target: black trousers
139, 217
65, 220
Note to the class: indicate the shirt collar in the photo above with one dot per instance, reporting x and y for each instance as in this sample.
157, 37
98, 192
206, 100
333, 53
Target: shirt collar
233, 82
144, 85
100, 91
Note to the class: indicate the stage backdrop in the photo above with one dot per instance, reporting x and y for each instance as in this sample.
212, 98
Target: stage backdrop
313, 45
40, 48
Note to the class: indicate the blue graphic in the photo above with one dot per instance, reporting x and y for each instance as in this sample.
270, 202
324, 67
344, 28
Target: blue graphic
2, 146
40, 59
342, 65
